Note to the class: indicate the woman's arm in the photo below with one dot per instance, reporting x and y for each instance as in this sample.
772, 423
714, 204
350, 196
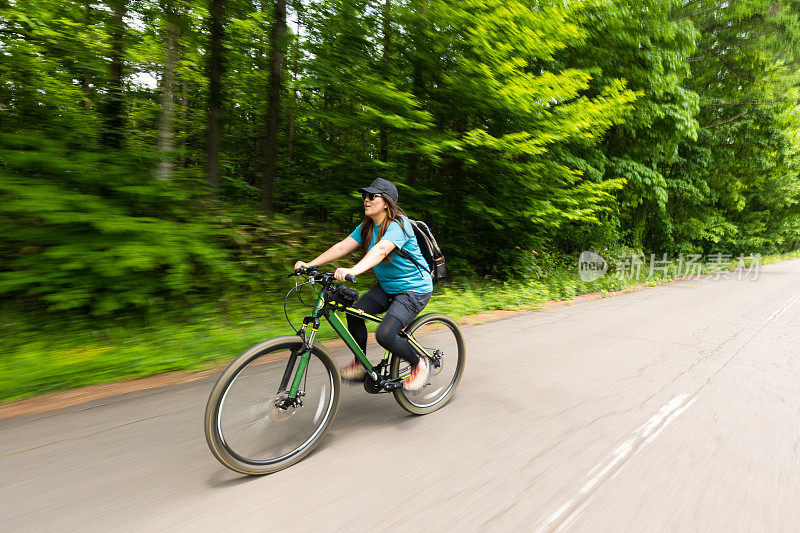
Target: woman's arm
338, 250
376, 254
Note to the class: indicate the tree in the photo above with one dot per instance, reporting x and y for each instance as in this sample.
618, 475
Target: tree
725, 187
114, 134
505, 106
644, 44
165, 135
215, 73
276, 88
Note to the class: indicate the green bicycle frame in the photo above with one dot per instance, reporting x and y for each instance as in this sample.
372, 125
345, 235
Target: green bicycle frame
339, 327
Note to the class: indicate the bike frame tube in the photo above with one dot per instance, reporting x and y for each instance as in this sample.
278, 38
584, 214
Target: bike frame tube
359, 313
417, 345
338, 326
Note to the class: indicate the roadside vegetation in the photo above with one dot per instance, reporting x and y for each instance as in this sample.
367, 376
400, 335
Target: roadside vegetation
66, 354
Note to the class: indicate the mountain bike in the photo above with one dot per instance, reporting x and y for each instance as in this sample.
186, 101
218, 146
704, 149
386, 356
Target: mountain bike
274, 403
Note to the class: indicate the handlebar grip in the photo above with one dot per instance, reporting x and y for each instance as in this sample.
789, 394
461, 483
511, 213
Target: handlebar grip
303, 270
350, 278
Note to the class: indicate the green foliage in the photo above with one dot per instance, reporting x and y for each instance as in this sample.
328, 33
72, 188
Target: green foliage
266, 248
724, 185
92, 231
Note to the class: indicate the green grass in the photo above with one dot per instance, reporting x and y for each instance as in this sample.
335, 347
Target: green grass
41, 358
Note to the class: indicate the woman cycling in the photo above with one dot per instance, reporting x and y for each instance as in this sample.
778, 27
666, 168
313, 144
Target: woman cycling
403, 289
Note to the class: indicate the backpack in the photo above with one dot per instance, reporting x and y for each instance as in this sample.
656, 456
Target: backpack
430, 251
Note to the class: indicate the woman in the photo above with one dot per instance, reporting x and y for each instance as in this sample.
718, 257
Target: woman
403, 289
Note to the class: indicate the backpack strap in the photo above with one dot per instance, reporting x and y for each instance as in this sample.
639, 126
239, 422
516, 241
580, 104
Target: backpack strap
406, 255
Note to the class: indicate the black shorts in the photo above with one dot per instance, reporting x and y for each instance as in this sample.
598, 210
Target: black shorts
403, 306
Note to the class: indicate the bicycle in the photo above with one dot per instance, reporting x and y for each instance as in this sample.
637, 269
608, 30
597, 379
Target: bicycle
253, 431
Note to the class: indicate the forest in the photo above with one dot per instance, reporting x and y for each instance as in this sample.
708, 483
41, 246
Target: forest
173, 154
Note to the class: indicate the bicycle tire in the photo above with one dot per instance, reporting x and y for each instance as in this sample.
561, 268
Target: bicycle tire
263, 412
416, 402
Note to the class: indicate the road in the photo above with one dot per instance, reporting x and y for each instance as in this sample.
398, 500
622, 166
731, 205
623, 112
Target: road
672, 408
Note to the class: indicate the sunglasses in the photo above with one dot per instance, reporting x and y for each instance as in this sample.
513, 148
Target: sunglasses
371, 196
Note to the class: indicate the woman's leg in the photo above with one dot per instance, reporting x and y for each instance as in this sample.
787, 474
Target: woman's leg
387, 336
405, 306
375, 301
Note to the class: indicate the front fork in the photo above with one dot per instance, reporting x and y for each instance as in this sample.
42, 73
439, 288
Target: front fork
305, 355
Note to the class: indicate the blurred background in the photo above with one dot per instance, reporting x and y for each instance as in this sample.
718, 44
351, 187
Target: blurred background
164, 163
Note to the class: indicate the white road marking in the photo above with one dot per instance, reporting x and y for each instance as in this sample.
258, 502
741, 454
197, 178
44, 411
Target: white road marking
641, 438
603, 471
665, 411
560, 511
672, 417
783, 309
578, 511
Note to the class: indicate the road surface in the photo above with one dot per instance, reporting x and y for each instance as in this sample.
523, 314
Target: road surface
672, 408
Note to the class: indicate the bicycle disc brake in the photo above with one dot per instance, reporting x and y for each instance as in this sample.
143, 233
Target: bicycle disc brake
281, 407
436, 362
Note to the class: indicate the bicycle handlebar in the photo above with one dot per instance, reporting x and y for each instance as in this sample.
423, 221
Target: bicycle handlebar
325, 276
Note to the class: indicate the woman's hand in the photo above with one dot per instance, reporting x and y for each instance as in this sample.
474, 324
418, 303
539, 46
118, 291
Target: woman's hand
340, 273
301, 264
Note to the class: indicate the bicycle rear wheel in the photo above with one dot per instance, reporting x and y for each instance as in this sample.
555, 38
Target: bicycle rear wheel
249, 427
440, 336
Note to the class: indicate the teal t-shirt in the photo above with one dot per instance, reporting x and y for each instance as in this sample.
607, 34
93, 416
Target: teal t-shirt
400, 274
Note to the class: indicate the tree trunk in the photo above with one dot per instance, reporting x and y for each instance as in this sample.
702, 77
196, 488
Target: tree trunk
86, 80
215, 70
166, 143
417, 82
256, 159
114, 110
383, 135
184, 162
273, 111
293, 108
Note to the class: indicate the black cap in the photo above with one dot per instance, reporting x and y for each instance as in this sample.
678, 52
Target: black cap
382, 187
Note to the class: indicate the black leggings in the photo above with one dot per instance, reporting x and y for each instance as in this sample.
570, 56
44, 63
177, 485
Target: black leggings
387, 333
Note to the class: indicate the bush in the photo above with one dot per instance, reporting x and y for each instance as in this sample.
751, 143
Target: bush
96, 232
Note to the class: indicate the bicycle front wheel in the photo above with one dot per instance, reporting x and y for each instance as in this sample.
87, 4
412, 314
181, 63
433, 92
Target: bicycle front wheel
249, 424
442, 340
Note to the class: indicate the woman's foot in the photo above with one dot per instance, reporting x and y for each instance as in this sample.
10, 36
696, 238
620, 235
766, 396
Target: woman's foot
355, 371
419, 376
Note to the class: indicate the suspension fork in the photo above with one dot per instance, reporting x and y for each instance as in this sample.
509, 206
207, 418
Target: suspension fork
289, 367
301, 350
301, 367
305, 350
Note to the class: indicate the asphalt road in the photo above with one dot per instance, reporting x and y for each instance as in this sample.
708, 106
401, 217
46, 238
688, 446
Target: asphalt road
672, 408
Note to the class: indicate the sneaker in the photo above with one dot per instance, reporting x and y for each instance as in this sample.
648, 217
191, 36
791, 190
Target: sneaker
355, 371
419, 376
